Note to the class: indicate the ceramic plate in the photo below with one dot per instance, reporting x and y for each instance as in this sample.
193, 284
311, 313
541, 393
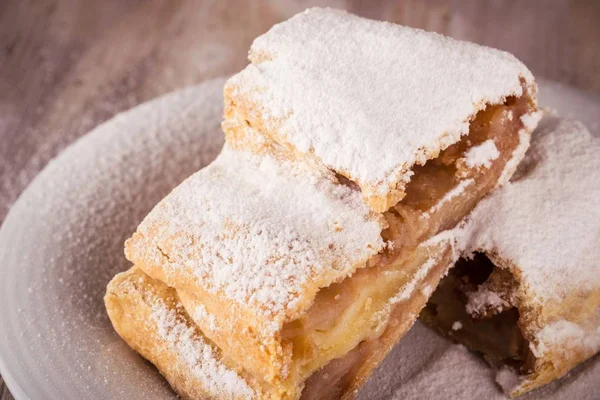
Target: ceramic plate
63, 241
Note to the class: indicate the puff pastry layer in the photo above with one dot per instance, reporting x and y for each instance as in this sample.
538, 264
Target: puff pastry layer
148, 315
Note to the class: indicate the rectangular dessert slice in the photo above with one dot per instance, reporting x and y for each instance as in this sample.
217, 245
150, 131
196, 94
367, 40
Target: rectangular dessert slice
527, 294
254, 238
308, 248
370, 100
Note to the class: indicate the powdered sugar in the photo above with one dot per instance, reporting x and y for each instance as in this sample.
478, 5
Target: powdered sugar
531, 120
482, 155
406, 292
507, 379
517, 156
353, 91
457, 325
452, 193
199, 313
427, 290
565, 334
263, 231
447, 237
198, 356
484, 299
548, 223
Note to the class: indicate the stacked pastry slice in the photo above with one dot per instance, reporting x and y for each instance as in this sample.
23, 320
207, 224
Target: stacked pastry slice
293, 263
527, 295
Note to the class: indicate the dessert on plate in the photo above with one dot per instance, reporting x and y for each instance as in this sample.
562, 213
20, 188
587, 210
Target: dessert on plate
292, 264
527, 293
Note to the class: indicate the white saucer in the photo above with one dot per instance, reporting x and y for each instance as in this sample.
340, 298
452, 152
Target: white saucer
63, 241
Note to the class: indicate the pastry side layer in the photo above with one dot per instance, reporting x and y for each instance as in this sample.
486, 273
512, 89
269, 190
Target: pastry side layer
319, 85
148, 316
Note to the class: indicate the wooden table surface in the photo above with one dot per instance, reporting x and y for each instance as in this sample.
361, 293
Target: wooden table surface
67, 65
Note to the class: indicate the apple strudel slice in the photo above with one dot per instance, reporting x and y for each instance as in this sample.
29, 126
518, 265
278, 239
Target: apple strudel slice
308, 248
371, 100
527, 295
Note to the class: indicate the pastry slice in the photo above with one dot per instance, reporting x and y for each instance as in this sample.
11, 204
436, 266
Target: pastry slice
309, 247
527, 294
374, 101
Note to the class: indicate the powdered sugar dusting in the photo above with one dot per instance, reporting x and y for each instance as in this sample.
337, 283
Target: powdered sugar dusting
262, 231
507, 379
548, 222
566, 334
517, 156
455, 191
407, 291
447, 237
198, 356
482, 155
200, 313
531, 120
453, 237
351, 91
484, 299
427, 290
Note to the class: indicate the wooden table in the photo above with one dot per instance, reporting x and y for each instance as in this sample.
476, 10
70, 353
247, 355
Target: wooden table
67, 65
